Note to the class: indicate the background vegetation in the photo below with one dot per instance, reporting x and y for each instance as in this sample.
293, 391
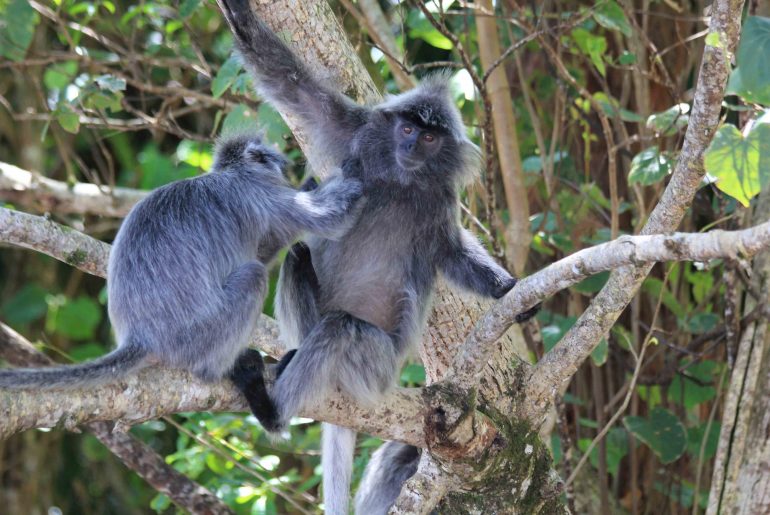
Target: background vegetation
592, 100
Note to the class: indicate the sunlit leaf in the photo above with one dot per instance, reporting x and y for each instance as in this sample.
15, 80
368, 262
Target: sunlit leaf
649, 166
741, 165
670, 121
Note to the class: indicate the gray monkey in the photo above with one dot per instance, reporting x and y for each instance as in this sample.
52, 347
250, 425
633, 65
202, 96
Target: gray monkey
187, 270
353, 306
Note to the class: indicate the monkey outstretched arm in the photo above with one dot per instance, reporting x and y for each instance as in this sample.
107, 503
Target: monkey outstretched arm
466, 263
288, 84
326, 210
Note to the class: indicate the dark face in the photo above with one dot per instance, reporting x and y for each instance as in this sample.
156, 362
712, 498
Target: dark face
415, 145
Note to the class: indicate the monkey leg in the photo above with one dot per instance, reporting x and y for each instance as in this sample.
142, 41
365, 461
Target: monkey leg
296, 305
224, 334
341, 351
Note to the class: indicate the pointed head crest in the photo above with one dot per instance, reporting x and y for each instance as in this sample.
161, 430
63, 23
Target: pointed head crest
429, 105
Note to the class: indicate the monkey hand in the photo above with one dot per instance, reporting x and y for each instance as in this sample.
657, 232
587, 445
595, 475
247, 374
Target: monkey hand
284, 362
341, 206
504, 287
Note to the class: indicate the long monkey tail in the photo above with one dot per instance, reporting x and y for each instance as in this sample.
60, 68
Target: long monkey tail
126, 358
337, 447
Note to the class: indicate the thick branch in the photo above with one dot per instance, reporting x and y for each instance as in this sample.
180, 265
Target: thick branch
156, 391
135, 454
58, 241
35, 191
626, 250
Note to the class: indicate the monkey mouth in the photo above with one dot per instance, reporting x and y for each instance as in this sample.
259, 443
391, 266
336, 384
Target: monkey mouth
407, 164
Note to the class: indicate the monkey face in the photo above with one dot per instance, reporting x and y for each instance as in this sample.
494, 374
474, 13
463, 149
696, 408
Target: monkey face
414, 143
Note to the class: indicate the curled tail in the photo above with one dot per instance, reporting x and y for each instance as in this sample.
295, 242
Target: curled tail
118, 363
338, 445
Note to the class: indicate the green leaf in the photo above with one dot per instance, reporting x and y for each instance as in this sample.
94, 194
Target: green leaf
751, 79
695, 436
60, 75
272, 125
241, 119
662, 432
741, 165
226, 76
611, 16
654, 287
421, 28
591, 45
86, 352
696, 385
702, 323
27, 305
592, 284
68, 119
413, 374
649, 166
187, 7
554, 331
599, 354
616, 444
110, 83
76, 319
627, 58
17, 27
668, 122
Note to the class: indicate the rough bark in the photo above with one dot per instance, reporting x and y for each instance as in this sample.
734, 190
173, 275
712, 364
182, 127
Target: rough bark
741, 481
136, 455
39, 193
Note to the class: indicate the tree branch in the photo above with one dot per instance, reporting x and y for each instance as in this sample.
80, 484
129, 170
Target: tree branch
35, 191
139, 398
136, 455
58, 241
624, 251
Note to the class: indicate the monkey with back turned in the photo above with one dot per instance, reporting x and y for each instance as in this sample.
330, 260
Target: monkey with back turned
352, 307
187, 270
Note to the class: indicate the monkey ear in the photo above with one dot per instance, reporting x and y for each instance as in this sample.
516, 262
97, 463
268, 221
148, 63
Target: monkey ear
255, 153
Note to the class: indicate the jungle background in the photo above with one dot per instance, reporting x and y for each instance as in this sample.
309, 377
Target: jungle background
579, 107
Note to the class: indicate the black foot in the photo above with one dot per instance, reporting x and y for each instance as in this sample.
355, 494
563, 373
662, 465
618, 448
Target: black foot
248, 375
523, 317
281, 366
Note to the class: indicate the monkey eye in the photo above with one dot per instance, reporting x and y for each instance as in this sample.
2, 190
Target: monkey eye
428, 137
407, 129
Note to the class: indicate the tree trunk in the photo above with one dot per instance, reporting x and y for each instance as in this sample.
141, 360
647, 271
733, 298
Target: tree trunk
741, 480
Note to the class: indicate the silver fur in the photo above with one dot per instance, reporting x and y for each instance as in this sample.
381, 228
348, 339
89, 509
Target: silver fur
354, 306
187, 271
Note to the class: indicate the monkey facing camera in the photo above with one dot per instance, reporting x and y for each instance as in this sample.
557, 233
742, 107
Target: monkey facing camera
351, 307
187, 271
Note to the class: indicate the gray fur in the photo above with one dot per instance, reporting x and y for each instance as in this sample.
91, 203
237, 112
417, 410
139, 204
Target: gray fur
187, 271
363, 301
388, 469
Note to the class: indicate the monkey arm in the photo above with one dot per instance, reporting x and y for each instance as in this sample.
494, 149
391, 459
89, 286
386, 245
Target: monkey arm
467, 264
328, 211
287, 83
